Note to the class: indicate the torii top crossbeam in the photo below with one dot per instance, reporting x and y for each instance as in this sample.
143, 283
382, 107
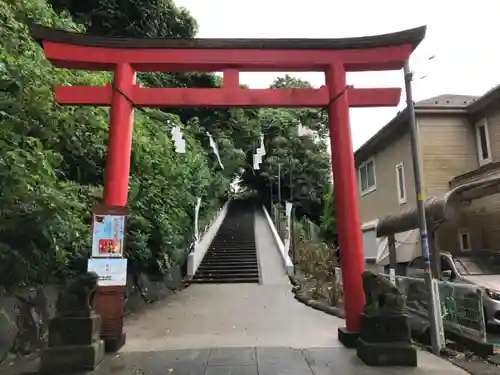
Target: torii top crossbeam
231, 56
84, 51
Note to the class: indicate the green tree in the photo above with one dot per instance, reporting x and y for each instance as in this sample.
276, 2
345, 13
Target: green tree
131, 18
328, 227
52, 161
52, 158
304, 161
163, 19
289, 82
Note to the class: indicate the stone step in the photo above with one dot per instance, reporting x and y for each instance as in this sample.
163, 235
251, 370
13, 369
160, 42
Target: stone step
232, 255
213, 261
228, 271
223, 269
249, 280
231, 276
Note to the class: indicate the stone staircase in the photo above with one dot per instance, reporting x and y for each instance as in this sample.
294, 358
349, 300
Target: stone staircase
232, 255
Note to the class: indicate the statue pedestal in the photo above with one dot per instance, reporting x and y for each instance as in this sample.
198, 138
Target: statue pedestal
74, 345
385, 340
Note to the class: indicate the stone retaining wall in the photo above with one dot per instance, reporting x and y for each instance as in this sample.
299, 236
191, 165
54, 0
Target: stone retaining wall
23, 325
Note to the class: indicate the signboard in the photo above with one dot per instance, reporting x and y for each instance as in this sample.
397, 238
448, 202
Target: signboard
111, 271
108, 232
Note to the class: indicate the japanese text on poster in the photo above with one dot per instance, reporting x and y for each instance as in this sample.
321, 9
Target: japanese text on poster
111, 272
108, 235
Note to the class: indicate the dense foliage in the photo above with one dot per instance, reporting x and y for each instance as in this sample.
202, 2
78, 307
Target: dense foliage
303, 161
328, 225
52, 158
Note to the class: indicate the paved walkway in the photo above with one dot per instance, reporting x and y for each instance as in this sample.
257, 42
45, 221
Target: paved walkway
235, 315
245, 329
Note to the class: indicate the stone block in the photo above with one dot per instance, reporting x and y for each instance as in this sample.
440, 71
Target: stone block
74, 330
347, 338
113, 344
59, 360
387, 354
385, 328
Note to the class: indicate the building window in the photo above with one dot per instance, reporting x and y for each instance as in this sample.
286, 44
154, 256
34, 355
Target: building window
464, 240
400, 180
367, 181
483, 143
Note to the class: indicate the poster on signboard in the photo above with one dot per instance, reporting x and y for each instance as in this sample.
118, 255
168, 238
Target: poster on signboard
111, 271
108, 232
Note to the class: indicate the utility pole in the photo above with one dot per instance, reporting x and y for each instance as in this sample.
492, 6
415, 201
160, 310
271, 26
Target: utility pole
434, 309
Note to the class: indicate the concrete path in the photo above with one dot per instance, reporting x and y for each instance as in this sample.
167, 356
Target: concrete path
261, 361
233, 315
245, 329
271, 264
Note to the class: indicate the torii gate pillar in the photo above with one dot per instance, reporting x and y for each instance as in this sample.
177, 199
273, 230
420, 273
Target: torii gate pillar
346, 201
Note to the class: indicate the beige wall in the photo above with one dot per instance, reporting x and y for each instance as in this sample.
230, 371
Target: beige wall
448, 148
384, 200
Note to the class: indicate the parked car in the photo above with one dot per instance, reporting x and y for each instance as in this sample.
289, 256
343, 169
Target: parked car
481, 268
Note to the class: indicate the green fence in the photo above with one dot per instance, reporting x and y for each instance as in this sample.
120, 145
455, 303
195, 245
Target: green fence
461, 305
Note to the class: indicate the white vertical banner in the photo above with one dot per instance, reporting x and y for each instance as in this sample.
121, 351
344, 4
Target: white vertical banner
215, 148
179, 142
262, 149
196, 217
259, 153
256, 163
288, 214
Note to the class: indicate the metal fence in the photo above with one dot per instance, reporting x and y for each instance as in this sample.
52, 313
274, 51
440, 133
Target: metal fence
308, 230
279, 220
461, 304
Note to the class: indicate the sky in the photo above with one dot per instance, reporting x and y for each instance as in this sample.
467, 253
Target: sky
462, 35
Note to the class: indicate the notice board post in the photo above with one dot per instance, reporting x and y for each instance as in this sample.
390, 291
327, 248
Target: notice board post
109, 262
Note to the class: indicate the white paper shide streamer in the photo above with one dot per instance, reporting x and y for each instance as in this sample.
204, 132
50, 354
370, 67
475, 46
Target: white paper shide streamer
262, 149
196, 217
215, 148
304, 131
257, 159
259, 153
288, 214
179, 143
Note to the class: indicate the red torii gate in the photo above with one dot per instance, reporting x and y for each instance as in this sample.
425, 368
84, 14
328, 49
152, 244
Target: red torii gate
334, 57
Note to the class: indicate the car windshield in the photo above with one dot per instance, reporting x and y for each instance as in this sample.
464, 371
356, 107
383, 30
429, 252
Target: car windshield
481, 266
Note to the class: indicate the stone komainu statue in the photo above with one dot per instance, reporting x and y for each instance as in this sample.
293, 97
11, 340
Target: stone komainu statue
382, 297
77, 298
